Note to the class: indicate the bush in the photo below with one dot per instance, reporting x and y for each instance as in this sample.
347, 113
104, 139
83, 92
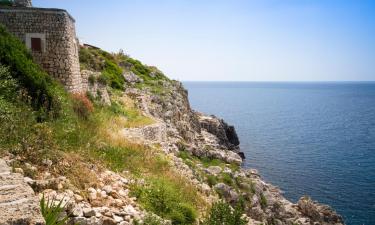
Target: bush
222, 214
82, 106
102, 80
91, 79
184, 214
164, 199
263, 201
211, 180
113, 74
46, 94
151, 220
227, 179
8, 85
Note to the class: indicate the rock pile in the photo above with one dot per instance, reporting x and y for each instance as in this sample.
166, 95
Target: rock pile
107, 204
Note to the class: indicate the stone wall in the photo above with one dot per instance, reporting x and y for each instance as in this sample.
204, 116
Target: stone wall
23, 3
59, 55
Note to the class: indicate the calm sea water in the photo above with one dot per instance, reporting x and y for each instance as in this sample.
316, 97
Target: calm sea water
307, 138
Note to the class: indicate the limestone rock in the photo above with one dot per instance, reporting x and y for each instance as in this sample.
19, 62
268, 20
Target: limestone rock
130, 77
226, 134
317, 212
18, 202
214, 170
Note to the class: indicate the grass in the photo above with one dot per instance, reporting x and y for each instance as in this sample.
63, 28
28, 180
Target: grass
129, 115
227, 179
169, 199
205, 161
52, 212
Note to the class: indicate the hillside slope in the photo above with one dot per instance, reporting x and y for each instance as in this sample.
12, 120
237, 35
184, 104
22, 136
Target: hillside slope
131, 150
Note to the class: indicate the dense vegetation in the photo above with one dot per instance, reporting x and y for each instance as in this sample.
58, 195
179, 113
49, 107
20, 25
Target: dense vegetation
112, 67
46, 96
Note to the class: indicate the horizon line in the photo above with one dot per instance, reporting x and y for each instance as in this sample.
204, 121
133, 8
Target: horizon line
291, 81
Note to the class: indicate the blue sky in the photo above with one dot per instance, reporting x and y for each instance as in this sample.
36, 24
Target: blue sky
239, 40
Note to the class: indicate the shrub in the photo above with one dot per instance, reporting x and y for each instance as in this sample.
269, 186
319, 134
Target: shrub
102, 80
151, 220
263, 201
222, 213
113, 74
227, 179
46, 94
92, 79
211, 180
163, 198
8, 85
184, 214
82, 106
184, 155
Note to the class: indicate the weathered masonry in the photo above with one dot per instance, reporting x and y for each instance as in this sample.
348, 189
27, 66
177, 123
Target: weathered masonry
51, 37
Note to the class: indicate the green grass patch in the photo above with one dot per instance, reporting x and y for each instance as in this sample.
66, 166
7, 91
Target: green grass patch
112, 66
134, 118
168, 200
132, 157
227, 179
205, 161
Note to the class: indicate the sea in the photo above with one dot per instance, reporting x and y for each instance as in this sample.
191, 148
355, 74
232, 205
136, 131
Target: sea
307, 138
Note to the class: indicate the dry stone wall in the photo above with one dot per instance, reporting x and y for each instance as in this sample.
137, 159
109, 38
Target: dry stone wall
23, 3
59, 55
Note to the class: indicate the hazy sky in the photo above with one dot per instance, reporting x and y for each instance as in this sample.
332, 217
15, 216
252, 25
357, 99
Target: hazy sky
252, 40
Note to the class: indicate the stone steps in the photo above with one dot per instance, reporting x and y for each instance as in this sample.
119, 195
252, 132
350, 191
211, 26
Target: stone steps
18, 202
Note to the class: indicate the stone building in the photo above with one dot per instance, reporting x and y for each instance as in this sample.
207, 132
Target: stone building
51, 37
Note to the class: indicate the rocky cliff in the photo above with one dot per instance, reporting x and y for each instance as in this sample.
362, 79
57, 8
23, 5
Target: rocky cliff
208, 136
132, 151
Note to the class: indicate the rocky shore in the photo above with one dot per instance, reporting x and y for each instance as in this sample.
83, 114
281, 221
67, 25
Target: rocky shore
184, 136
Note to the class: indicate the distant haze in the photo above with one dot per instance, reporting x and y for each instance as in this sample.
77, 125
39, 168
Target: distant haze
238, 40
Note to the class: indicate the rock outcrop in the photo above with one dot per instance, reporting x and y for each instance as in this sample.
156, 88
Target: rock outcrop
225, 133
318, 212
18, 203
203, 135
211, 137
92, 84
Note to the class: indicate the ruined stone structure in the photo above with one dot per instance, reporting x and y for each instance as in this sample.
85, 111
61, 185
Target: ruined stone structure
51, 37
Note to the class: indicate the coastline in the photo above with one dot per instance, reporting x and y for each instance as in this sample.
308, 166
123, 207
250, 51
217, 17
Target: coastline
213, 135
